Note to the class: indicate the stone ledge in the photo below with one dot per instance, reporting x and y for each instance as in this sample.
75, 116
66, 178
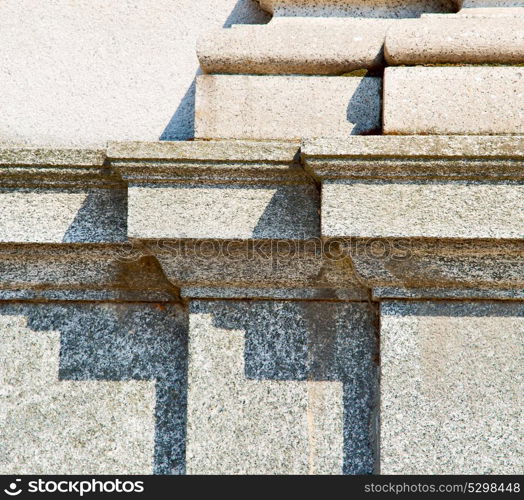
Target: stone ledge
416, 157
439, 268
245, 162
55, 167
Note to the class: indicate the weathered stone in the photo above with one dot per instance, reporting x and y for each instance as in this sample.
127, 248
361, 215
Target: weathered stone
460, 41
225, 212
54, 216
286, 107
356, 8
454, 100
273, 388
491, 8
451, 387
308, 46
250, 264
102, 272
439, 268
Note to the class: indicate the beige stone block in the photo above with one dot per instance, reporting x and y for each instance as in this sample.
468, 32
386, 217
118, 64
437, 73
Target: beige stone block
461, 41
459, 209
312, 46
451, 388
454, 100
286, 107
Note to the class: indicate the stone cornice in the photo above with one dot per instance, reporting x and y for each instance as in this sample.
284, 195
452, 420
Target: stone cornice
55, 167
493, 158
208, 162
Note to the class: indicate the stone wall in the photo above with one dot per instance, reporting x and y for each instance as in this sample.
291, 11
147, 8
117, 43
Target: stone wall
308, 258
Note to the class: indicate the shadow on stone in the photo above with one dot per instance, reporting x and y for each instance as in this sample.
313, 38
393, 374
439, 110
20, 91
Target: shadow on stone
118, 342
293, 212
365, 107
317, 341
181, 126
101, 218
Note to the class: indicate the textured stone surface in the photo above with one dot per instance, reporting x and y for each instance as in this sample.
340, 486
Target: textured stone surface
459, 209
82, 272
225, 152
78, 387
413, 147
416, 157
439, 268
291, 264
273, 389
451, 388
357, 8
441, 41
285, 107
225, 212
309, 46
69, 216
426, 100
84, 72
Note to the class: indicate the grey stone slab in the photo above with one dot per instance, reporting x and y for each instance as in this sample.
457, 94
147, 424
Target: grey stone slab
291, 45
456, 41
426, 100
51, 156
235, 151
224, 212
451, 387
286, 107
255, 264
454, 209
281, 387
93, 388
356, 8
291, 293
63, 215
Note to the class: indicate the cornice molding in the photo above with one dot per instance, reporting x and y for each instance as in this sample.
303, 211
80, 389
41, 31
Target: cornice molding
208, 162
491, 158
55, 168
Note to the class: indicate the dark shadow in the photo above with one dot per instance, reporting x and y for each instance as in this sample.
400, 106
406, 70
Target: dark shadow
320, 341
293, 212
364, 110
181, 126
117, 342
101, 218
